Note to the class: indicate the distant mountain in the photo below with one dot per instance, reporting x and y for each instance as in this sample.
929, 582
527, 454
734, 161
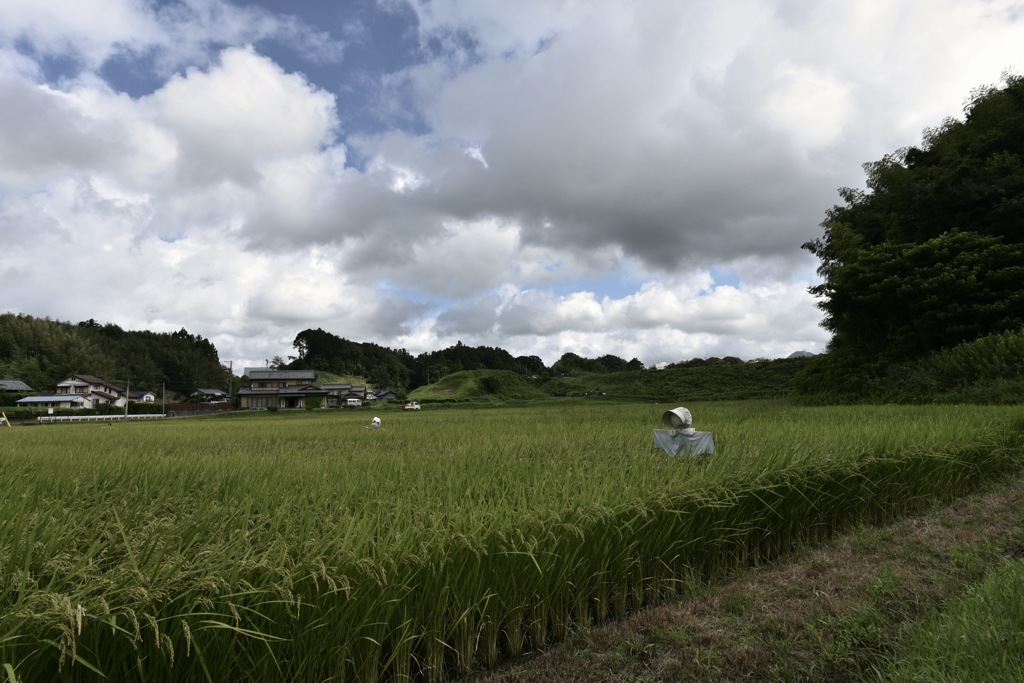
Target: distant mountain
801, 354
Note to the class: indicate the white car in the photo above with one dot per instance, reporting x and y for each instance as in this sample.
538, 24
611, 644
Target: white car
411, 405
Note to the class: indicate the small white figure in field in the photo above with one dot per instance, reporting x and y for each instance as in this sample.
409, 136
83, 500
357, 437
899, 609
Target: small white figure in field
374, 423
680, 420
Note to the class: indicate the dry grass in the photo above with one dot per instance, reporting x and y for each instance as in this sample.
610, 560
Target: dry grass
829, 613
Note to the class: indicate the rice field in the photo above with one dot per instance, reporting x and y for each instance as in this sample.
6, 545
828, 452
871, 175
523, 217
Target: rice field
306, 547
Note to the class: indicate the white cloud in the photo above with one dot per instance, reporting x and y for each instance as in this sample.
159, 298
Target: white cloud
243, 112
571, 177
96, 32
90, 30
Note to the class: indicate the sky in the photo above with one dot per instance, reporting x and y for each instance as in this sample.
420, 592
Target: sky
545, 176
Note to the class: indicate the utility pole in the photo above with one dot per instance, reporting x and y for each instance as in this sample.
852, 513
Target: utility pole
127, 393
163, 398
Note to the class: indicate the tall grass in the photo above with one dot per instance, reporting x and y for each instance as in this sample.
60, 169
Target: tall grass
986, 370
979, 638
305, 547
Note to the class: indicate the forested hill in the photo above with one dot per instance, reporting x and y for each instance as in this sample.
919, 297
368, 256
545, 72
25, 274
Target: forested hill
42, 352
384, 367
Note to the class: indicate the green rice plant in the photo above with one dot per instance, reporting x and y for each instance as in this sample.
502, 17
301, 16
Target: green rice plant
304, 547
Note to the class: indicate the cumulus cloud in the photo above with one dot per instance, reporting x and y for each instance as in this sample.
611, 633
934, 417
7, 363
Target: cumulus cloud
95, 33
633, 179
679, 134
245, 112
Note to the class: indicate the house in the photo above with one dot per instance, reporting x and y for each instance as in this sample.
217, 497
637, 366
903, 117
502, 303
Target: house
65, 401
142, 396
280, 389
92, 390
385, 396
14, 386
339, 393
78, 391
276, 379
210, 395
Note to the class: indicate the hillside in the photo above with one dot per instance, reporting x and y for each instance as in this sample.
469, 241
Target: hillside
42, 352
719, 381
489, 386
714, 382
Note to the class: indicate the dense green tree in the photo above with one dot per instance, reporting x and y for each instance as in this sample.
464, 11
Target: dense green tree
320, 350
41, 352
396, 369
530, 365
569, 364
573, 364
932, 253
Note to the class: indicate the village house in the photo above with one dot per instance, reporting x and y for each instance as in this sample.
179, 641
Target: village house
93, 390
210, 395
78, 391
340, 392
14, 386
386, 396
280, 389
142, 396
68, 401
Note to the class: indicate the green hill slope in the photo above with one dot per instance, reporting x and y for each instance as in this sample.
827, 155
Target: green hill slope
41, 352
718, 382
485, 386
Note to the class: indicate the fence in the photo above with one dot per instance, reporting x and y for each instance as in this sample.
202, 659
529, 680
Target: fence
98, 418
182, 409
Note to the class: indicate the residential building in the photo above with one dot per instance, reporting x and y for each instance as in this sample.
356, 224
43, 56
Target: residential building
92, 390
386, 396
280, 389
210, 394
339, 393
14, 386
65, 401
142, 396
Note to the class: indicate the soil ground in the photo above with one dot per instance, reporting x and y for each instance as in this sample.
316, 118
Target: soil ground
832, 612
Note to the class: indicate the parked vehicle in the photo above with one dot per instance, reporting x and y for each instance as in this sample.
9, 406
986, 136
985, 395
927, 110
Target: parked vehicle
353, 402
411, 405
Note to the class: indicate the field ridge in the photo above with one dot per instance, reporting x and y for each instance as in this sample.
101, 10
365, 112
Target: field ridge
829, 612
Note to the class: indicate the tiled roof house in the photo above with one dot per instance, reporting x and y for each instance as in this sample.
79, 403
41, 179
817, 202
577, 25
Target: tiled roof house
15, 386
279, 389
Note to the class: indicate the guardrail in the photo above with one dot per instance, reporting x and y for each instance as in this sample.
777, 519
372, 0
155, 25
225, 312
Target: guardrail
98, 418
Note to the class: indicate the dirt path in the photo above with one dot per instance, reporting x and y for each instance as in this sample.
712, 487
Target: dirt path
828, 613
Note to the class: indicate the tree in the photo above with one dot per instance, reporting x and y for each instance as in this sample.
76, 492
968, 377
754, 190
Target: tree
569, 364
530, 365
932, 253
